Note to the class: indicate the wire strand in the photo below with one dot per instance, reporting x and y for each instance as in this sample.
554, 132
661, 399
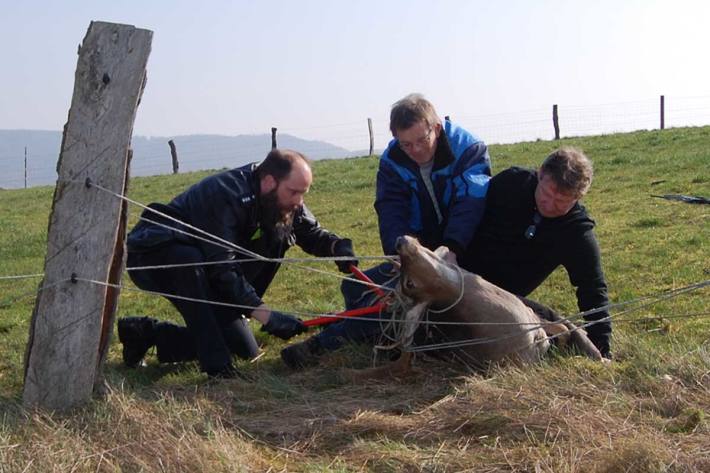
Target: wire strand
218, 303
318, 259
157, 212
218, 239
44, 287
21, 276
471, 342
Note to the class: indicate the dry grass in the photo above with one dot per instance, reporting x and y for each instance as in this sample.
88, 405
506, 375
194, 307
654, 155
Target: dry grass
568, 415
125, 433
646, 412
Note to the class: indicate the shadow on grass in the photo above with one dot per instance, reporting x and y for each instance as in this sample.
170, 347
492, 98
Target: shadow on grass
280, 407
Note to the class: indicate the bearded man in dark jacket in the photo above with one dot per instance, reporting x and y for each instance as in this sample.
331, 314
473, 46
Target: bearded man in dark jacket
253, 211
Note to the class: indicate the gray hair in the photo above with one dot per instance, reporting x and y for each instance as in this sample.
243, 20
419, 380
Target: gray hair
410, 110
570, 169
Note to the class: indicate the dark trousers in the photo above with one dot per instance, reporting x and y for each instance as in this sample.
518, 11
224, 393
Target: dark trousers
212, 332
358, 295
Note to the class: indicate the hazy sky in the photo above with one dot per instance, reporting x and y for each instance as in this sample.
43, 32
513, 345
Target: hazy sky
318, 69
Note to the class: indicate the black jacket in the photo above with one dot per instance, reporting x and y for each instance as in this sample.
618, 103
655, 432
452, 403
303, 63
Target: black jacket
226, 205
502, 254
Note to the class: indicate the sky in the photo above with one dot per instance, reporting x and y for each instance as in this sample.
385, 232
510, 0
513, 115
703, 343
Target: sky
318, 69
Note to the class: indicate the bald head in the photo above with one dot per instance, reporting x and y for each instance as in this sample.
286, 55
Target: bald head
279, 162
287, 176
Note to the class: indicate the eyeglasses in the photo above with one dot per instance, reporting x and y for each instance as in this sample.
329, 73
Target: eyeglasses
420, 142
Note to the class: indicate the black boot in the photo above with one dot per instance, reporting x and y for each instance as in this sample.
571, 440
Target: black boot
228, 372
137, 334
302, 354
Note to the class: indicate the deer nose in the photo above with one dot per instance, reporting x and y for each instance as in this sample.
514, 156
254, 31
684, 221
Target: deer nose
399, 243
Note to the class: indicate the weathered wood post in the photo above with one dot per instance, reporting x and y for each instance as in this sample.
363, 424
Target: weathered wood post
173, 153
273, 138
372, 137
556, 122
663, 112
73, 319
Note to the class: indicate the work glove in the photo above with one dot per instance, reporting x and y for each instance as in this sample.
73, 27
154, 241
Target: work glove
283, 325
344, 247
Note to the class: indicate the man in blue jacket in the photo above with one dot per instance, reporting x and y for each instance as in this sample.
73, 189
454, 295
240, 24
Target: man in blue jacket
432, 179
431, 184
258, 208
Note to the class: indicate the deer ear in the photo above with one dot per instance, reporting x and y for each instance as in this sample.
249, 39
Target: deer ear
442, 251
411, 322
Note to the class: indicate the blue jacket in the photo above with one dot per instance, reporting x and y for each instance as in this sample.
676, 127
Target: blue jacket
459, 176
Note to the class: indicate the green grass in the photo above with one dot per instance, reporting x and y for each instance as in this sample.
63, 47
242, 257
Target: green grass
648, 411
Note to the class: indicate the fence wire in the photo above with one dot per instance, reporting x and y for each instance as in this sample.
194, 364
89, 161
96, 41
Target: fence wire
346, 139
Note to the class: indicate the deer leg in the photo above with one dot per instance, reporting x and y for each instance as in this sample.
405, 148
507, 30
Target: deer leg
577, 337
397, 369
560, 332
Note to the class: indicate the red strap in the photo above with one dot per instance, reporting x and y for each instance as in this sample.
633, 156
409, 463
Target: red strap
375, 309
363, 277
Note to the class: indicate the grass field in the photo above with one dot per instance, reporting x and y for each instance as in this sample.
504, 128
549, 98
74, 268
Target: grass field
645, 412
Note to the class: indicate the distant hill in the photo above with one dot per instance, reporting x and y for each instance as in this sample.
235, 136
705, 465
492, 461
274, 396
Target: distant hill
151, 155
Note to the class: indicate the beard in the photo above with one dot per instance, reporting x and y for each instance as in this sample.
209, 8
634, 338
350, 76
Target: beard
276, 222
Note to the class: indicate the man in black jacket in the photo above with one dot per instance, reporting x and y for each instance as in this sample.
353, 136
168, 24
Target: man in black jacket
532, 224
255, 209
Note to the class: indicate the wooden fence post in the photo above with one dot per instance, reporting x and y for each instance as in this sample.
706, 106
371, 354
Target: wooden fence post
663, 112
372, 137
556, 122
273, 138
173, 154
73, 319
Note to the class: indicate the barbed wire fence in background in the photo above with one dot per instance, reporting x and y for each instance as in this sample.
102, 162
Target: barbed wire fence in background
152, 156
640, 111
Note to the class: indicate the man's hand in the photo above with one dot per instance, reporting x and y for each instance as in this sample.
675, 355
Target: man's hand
344, 247
283, 325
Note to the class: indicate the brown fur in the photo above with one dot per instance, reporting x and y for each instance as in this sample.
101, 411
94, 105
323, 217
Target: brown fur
400, 368
514, 332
